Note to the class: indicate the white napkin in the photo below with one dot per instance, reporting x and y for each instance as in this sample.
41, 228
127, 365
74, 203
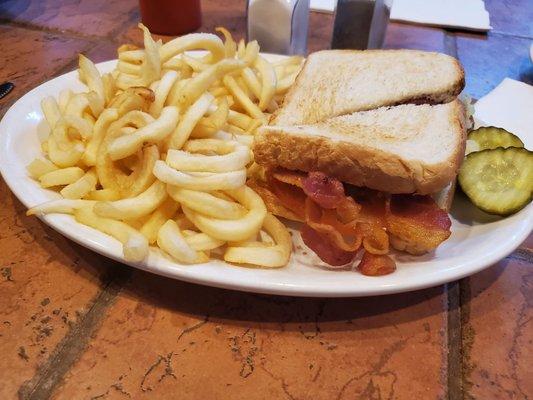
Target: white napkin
509, 106
466, 14
325, 6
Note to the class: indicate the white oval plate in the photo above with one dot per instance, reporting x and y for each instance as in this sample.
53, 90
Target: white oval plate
477, 240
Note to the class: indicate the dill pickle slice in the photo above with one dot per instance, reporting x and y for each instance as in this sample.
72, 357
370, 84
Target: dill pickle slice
498, 181
490, 137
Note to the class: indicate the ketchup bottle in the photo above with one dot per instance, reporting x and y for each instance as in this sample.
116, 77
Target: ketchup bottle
171, 17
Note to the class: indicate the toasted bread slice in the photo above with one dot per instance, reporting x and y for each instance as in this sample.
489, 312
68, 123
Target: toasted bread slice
337, 82
402, 149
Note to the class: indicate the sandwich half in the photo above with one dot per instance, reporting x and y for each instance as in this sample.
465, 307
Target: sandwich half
402, 149
338, 82
367, 162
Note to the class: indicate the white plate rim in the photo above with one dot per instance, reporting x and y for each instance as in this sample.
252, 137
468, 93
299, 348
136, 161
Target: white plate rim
103, 244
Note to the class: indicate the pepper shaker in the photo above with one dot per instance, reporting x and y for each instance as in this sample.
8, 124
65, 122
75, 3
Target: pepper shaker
360, 24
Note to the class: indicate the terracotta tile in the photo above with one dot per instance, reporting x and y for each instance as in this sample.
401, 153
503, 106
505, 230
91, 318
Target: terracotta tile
95, 17
31, 57
47, 283
230, 14
164, 337
498, 331
404, 36
488, 59
103, 50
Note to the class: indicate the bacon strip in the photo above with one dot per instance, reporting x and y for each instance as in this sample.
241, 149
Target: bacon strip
338, 219
325, 191
272, 201
376, 241
322, 246
293, 178
337, 225
290, 196
376, 265
344, 236
416, 224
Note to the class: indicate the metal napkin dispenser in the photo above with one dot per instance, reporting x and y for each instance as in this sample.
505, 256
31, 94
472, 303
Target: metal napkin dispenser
279, 26
360, 24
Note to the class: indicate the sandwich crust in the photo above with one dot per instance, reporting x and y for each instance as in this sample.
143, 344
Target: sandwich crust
361, 163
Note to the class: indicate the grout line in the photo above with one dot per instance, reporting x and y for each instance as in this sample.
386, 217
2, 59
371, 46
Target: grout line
50, 374
467, 338
488, 33
450, 43
524, 255
500, 33
455, 320
460, 333
454, 342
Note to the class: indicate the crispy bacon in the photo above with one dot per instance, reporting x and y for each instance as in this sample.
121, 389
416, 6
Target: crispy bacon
320, 243
415, 223
372, 203
344, 236
376, 240
337, 225
293, 178
372, 220
376, 265
343, 222
290, 196
325, 191
272, 201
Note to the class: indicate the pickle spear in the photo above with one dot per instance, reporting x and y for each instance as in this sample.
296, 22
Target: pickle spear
498, 181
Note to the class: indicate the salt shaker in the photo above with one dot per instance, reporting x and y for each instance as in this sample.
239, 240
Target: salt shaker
279, 26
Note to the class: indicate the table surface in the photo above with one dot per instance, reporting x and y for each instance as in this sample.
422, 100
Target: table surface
75, 325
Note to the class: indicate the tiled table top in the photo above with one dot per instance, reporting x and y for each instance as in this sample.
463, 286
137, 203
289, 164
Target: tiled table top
74, 325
